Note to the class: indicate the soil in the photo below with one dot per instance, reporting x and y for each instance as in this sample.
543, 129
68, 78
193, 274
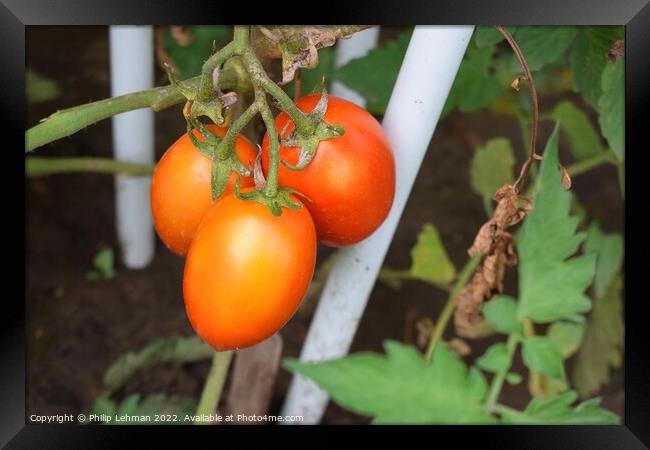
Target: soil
77, 327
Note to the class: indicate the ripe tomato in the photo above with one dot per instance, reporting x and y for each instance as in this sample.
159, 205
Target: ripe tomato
180, 188
247, 271
351, 179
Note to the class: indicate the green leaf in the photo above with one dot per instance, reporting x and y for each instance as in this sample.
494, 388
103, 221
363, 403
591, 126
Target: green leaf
401, 387
491, 167
477, 385
501, 312
39, 88
495, 359
180, 350
612, 107
551, 287
374, 75
104, 262
602, 345
475, 86
430, 262
609, 256
558, 410
566, 336
583, 137
541, 45
513, 378
487, 36
104, 406
541, 355
189, 59
589, 57
129, 405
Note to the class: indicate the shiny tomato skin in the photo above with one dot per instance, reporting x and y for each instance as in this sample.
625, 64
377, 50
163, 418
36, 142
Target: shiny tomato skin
247, 271
181, 191
351, 179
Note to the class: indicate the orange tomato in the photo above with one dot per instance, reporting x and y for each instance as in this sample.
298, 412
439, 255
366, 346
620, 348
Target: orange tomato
247, 271
351, 179
180, 188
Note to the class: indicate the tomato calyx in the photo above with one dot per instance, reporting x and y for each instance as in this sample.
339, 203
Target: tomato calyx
221, 166
308, 142
215, 106
281, 199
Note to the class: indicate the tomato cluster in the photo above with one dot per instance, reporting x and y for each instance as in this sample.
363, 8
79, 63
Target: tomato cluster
246, 269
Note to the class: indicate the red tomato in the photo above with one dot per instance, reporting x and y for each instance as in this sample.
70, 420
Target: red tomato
247, 271
180, 188
351, 179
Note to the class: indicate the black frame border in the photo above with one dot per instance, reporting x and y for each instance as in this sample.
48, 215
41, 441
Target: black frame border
635, 14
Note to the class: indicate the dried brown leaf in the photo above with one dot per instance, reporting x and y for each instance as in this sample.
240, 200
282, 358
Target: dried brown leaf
181, 35
298, 46
617, 51
566, 178
515, 83
496, 244
460, 347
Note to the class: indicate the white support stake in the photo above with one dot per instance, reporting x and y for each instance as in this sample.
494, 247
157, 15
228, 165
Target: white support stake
423, 84
356, 46
132, 69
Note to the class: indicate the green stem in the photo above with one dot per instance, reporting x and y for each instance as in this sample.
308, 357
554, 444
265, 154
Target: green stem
213, 385
241, 36
258, 74
206, 91
227, 145
587, 164
497, 382
445, 315
35, 167
68, 121
271, 186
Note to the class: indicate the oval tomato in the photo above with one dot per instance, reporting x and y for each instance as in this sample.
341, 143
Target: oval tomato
351, 179
247, 271
181, 189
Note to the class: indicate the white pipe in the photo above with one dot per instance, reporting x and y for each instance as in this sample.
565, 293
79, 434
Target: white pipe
132, 69
357, 46
425, 78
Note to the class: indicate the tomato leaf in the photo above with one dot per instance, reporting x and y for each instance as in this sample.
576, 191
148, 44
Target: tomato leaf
541, 45
104, 264
583, 138
39, 88
551, 287
609, 251
374, 75
429, 258
589, 57
487, 36
566, 336
402, 387
558, 410
501, 312
491, 167
495, 359
541, 355
513, 378
179, 350
475, 86
612, 107
602, 346
189, 59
